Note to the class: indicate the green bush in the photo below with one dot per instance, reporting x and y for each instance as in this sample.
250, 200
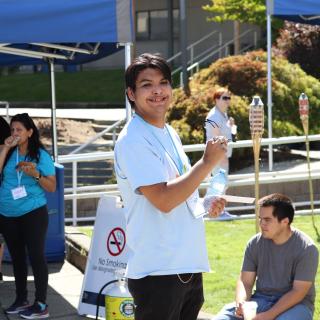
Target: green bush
246, 76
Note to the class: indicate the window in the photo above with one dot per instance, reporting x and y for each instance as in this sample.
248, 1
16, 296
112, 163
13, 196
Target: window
142, 25
153, 25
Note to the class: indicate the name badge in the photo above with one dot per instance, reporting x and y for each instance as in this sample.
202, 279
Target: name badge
195, 205
18, 193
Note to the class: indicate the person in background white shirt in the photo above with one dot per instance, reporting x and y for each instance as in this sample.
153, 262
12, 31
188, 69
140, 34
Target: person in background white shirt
234, 129
159, 190
218, 124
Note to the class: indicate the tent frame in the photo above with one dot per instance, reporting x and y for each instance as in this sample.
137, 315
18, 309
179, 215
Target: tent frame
308, 19
62, 52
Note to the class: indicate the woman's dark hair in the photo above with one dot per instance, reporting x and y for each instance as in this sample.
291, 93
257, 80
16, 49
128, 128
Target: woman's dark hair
145, 61
34, 143
5, 131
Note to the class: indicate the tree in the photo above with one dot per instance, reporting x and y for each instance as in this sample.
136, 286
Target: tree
244, 11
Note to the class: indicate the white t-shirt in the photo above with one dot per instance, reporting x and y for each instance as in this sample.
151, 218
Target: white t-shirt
218, 119
160, 243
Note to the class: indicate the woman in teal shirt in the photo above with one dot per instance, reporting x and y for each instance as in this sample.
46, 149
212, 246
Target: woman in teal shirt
27, 171
4, 133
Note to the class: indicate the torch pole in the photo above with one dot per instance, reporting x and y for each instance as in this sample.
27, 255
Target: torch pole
256, 119
305, 124
256, 153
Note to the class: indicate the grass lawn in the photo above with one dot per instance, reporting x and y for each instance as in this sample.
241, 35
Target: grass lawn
83, 86
226, 242
89, 86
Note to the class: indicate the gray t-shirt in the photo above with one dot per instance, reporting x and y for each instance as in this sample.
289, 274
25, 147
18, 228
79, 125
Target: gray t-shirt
277, 266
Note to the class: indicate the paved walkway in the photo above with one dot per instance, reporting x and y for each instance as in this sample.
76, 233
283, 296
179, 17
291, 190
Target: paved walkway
65, 282
63, 293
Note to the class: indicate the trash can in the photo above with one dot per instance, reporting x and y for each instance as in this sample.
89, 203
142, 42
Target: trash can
55, 242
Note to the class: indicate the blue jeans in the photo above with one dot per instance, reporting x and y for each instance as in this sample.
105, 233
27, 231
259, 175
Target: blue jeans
297, 312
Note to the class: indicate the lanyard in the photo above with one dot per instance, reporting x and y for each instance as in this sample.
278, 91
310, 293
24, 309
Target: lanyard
177, 161
19, 173
180, 166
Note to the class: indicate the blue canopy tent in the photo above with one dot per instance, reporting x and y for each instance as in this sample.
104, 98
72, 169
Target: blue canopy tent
302, 11
63, 32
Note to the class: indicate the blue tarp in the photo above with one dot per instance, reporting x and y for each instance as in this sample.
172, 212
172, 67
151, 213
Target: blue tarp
303, 11
23, 22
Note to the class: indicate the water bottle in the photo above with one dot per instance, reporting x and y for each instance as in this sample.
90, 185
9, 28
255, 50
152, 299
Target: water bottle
217, 187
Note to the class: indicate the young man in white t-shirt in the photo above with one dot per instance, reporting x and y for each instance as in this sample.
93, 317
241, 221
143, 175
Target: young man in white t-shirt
165, 232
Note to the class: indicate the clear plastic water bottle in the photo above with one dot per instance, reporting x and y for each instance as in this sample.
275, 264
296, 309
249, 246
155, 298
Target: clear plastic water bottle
217, 187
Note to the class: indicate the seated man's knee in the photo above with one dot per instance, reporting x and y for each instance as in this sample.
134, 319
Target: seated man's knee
226, 313
298, 311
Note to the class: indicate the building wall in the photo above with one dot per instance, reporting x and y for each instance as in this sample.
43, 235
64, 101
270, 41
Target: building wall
197, 27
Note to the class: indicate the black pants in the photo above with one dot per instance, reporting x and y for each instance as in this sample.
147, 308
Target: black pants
28, 232
167, 297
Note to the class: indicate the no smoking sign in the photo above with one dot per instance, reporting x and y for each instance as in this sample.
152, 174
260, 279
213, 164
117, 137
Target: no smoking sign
116, 241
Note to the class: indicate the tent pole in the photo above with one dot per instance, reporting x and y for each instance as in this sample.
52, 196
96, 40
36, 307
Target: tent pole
183, 47
269, 85
127, 63
53, 112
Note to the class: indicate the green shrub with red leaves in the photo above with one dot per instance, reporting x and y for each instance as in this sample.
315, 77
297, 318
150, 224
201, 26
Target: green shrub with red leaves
246, 76
300, 43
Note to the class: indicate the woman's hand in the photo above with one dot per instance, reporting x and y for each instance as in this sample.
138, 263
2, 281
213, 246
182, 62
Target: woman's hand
48, 183
11, 141
29, 168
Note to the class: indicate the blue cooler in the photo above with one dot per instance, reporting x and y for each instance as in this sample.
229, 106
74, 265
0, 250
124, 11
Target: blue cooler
55, 242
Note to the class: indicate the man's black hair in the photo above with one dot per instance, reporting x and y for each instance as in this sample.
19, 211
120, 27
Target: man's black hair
282, 206
142, 62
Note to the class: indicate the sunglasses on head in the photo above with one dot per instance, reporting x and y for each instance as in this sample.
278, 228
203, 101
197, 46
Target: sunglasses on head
225, 98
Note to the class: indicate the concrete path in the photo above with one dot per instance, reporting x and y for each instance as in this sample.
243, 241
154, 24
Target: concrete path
65, 282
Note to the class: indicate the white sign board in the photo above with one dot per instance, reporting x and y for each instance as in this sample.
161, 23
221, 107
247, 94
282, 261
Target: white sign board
108, 252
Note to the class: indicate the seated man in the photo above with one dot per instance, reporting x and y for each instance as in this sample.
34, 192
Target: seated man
282, 261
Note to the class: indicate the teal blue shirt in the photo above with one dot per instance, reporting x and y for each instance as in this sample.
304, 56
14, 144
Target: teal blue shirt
35, 193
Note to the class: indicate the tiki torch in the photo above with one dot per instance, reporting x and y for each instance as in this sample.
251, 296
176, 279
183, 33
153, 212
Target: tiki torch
304, 117
256, 120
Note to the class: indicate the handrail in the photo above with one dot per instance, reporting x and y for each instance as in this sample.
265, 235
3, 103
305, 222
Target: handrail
190, 68
226, 44
97, 136
6, 104
108, 155
197, 57
86, 192
218, 50
193, 45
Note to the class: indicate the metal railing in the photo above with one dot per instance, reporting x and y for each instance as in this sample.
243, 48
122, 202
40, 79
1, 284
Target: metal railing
218, 50
101, 134
89, 192
6, 105
192, 46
